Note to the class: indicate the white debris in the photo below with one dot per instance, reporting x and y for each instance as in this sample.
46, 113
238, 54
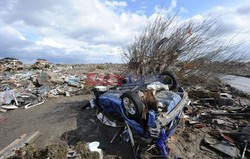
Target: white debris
156, 86
10, 107
105, 120
7, 96
93, 147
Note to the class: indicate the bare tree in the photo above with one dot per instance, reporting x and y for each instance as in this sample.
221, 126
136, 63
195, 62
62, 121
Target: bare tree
193, 45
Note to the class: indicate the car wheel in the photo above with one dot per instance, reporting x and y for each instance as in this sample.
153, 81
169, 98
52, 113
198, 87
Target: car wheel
168, 79
132, 105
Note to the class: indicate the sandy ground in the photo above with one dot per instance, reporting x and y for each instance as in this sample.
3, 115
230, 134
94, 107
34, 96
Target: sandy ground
61, 120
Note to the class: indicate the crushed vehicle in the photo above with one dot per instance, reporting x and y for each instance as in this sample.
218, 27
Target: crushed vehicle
148, 114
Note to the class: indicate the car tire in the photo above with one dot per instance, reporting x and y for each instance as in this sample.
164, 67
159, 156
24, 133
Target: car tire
171, 77
135, 111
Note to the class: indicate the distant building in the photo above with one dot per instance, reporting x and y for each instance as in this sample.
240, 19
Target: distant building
10, 61
42, 62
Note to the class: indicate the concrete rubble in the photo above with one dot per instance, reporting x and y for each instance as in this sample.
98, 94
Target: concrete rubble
33, 87
221, 119
26, 86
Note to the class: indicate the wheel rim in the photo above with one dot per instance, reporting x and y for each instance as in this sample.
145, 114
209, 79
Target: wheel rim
129, 106
167, 80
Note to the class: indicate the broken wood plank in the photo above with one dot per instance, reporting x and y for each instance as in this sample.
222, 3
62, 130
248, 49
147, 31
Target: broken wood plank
20, 142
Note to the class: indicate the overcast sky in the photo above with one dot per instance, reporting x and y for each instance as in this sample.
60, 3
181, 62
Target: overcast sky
96, 31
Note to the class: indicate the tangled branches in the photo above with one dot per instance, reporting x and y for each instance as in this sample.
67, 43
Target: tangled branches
191, 45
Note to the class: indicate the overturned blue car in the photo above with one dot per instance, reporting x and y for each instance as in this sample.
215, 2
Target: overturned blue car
147, 114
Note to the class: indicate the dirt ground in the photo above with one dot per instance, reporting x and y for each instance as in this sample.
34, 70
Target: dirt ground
61, 120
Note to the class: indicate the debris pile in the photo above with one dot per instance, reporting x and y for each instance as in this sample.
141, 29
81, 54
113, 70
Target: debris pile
28, 89
222, 120
31, 86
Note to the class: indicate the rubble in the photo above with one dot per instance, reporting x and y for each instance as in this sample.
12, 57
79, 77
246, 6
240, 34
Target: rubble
7, 96
223, 117
33, 84
223, 147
